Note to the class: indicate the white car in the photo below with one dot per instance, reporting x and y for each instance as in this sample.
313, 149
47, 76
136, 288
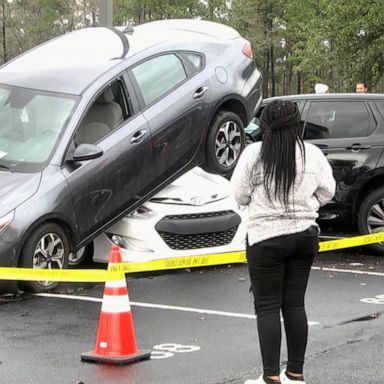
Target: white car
194, 215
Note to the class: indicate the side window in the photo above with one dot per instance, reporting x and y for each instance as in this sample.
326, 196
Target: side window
380, 105
158, 75
253, 128
300, 104
337, 119
106, 114
195, 59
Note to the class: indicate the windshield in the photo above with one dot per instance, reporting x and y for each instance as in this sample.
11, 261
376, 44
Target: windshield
30, 124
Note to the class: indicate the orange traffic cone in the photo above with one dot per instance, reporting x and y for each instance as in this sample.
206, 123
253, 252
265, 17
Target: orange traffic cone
115, 340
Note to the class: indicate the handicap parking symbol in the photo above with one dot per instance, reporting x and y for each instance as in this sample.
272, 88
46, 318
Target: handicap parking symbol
164, 351
379, 299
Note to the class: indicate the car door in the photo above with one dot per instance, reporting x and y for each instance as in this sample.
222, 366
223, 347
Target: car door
346, 132
104, 188
174, 95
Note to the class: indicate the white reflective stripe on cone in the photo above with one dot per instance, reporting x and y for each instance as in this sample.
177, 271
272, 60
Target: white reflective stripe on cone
115, 304
116, 284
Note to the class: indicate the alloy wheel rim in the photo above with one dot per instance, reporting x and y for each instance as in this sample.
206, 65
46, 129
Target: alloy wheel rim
228, 143
75, 257
49, 254
375, 217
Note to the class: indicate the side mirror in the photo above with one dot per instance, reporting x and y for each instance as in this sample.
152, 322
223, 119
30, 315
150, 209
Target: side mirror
86, 152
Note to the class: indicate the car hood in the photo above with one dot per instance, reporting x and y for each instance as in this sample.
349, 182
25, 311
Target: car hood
15, 188
196, 187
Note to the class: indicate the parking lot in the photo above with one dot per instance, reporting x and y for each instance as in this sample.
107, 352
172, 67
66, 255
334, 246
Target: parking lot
200, 326
121, 126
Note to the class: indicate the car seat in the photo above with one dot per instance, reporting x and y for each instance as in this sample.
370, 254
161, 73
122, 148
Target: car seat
91, 133
104, 116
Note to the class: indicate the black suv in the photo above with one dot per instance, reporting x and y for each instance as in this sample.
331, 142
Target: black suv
349, 128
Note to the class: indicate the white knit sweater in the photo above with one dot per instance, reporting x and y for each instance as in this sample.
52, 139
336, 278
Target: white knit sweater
314, 186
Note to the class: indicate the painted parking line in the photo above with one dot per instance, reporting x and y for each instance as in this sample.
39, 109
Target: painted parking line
160, 306
357, 272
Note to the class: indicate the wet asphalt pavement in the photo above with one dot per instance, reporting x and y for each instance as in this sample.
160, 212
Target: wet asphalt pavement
200, 327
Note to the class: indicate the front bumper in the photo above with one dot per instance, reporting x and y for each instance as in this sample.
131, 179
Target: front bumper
199, 230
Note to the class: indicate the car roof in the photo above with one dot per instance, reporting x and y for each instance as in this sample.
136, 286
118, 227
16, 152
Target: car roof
325, 96
69, 63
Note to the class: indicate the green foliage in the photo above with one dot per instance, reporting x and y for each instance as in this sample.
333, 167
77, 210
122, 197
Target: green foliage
296, 43
140, 11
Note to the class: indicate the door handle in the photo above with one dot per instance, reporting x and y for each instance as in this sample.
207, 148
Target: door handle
200, 92
138, 136
358, 147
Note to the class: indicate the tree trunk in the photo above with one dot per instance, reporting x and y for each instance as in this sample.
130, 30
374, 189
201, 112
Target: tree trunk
266, 75
288, 78
5, 53
287, 85
273, 82
300, 82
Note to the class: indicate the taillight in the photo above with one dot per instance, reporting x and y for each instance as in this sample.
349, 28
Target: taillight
247, 50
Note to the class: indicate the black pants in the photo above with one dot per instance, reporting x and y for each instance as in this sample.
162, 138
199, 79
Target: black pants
279, 269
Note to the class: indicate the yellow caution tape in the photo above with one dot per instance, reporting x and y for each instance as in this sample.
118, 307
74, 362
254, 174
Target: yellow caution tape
181, 262
349, 242
115, 272
233, 257
69, 275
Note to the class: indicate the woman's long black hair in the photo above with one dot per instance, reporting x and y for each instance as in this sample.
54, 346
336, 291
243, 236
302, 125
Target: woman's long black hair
280, 127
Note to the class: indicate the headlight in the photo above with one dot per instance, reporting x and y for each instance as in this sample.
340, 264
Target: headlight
5, 220
127, 243
142, 213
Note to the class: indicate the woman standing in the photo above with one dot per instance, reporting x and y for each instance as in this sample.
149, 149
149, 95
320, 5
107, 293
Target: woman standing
283, 182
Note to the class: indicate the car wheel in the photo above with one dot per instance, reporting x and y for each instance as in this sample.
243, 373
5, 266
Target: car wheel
81, 256
46, 248
371, 217
224, 143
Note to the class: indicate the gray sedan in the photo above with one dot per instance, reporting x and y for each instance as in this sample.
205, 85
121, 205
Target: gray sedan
95, 122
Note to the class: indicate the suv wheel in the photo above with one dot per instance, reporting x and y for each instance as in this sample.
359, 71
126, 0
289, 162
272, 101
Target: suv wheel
224, 143
46, 248
371, 217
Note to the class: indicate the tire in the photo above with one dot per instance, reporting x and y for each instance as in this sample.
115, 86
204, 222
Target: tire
222, 150
36, 248
78, 258
371, 217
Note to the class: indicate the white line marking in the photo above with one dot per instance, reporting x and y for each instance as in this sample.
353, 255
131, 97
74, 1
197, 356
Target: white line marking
348, 271
70, 297
160, 306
